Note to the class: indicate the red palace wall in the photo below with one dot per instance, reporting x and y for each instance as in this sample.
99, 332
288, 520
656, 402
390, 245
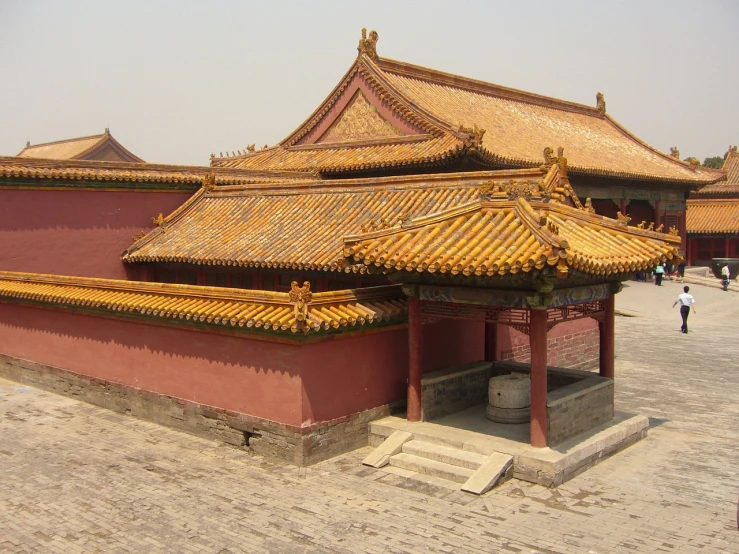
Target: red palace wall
293, 384
76, 232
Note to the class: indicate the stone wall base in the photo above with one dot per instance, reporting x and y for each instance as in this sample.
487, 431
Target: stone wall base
301, 446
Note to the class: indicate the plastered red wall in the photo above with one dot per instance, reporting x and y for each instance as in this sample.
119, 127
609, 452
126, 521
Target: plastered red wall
243, 375
75, 232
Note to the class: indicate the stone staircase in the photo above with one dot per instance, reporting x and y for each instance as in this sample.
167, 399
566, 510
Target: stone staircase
475, 473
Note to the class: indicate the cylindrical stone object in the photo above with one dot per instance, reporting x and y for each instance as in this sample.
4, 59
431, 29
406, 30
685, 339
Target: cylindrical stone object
508, 415
510, 391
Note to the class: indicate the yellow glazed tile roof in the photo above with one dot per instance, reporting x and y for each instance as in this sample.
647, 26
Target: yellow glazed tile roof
730, 188
301, 225
358, 156
212, 306
78, 148
712, 215
498, 237
494, 125
44, 172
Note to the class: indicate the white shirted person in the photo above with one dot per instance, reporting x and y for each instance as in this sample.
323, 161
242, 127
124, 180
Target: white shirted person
685, 300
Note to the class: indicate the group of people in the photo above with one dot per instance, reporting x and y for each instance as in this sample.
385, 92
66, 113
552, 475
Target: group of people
667, 271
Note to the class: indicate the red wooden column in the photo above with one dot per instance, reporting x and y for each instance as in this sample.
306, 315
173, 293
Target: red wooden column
415, 358
727, 251
623, 206
538, 342
491, 341
607, 337
657, 213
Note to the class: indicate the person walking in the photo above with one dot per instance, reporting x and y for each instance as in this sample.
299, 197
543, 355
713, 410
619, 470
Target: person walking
725, 276
685, 300
658, 273
681, 271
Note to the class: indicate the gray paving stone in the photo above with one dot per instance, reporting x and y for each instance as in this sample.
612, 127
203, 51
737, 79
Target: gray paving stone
76, 478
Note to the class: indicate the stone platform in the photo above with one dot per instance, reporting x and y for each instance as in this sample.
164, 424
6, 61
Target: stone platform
470, 431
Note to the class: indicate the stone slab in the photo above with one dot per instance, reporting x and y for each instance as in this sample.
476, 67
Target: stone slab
488, 474
391, 446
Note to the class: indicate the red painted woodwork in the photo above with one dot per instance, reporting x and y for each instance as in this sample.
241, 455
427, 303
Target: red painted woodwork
509, 338
491, 336
415, 359
608, 337
74, 232
538, 341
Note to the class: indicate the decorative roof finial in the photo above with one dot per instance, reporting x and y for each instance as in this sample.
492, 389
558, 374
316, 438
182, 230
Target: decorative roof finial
732, 149
107, 130
251, 147
28, 143
674, 152
368, 46
209, 182
600, 103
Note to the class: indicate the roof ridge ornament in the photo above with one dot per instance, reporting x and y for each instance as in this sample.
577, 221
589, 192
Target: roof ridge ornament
623, 219
300, 297
674, 152
209, 182
600, 103
475, 135
368, 46
732, 149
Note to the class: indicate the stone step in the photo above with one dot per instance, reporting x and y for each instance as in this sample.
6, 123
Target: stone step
451, 456
431, 467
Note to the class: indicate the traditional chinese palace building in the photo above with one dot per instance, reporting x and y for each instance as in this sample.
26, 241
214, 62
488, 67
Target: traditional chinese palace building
416, 234
713, 217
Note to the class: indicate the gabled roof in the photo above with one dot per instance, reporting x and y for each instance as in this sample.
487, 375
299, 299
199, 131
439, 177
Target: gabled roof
497, 237
730, 188
211, 307
300, 225
715, 208
17, 171
420, 117
101, 147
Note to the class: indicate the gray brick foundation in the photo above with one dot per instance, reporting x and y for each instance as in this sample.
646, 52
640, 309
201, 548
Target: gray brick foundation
301, 446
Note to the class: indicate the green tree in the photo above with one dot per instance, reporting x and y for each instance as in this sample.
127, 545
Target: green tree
715, 162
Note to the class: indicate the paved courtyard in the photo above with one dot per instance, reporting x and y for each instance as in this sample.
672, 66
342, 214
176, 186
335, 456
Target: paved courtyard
76, 478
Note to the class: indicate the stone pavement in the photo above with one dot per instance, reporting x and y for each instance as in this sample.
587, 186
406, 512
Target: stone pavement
76, 478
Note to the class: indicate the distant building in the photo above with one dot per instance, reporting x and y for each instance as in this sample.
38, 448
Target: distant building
713, 217
96, 147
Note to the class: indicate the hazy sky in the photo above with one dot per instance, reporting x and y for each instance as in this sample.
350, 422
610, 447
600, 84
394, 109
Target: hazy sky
176, 81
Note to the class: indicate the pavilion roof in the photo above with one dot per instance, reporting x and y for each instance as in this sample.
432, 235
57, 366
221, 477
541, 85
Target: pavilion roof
94, 147
211, 307
386, 114
505, 232
300, 225
94, 172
